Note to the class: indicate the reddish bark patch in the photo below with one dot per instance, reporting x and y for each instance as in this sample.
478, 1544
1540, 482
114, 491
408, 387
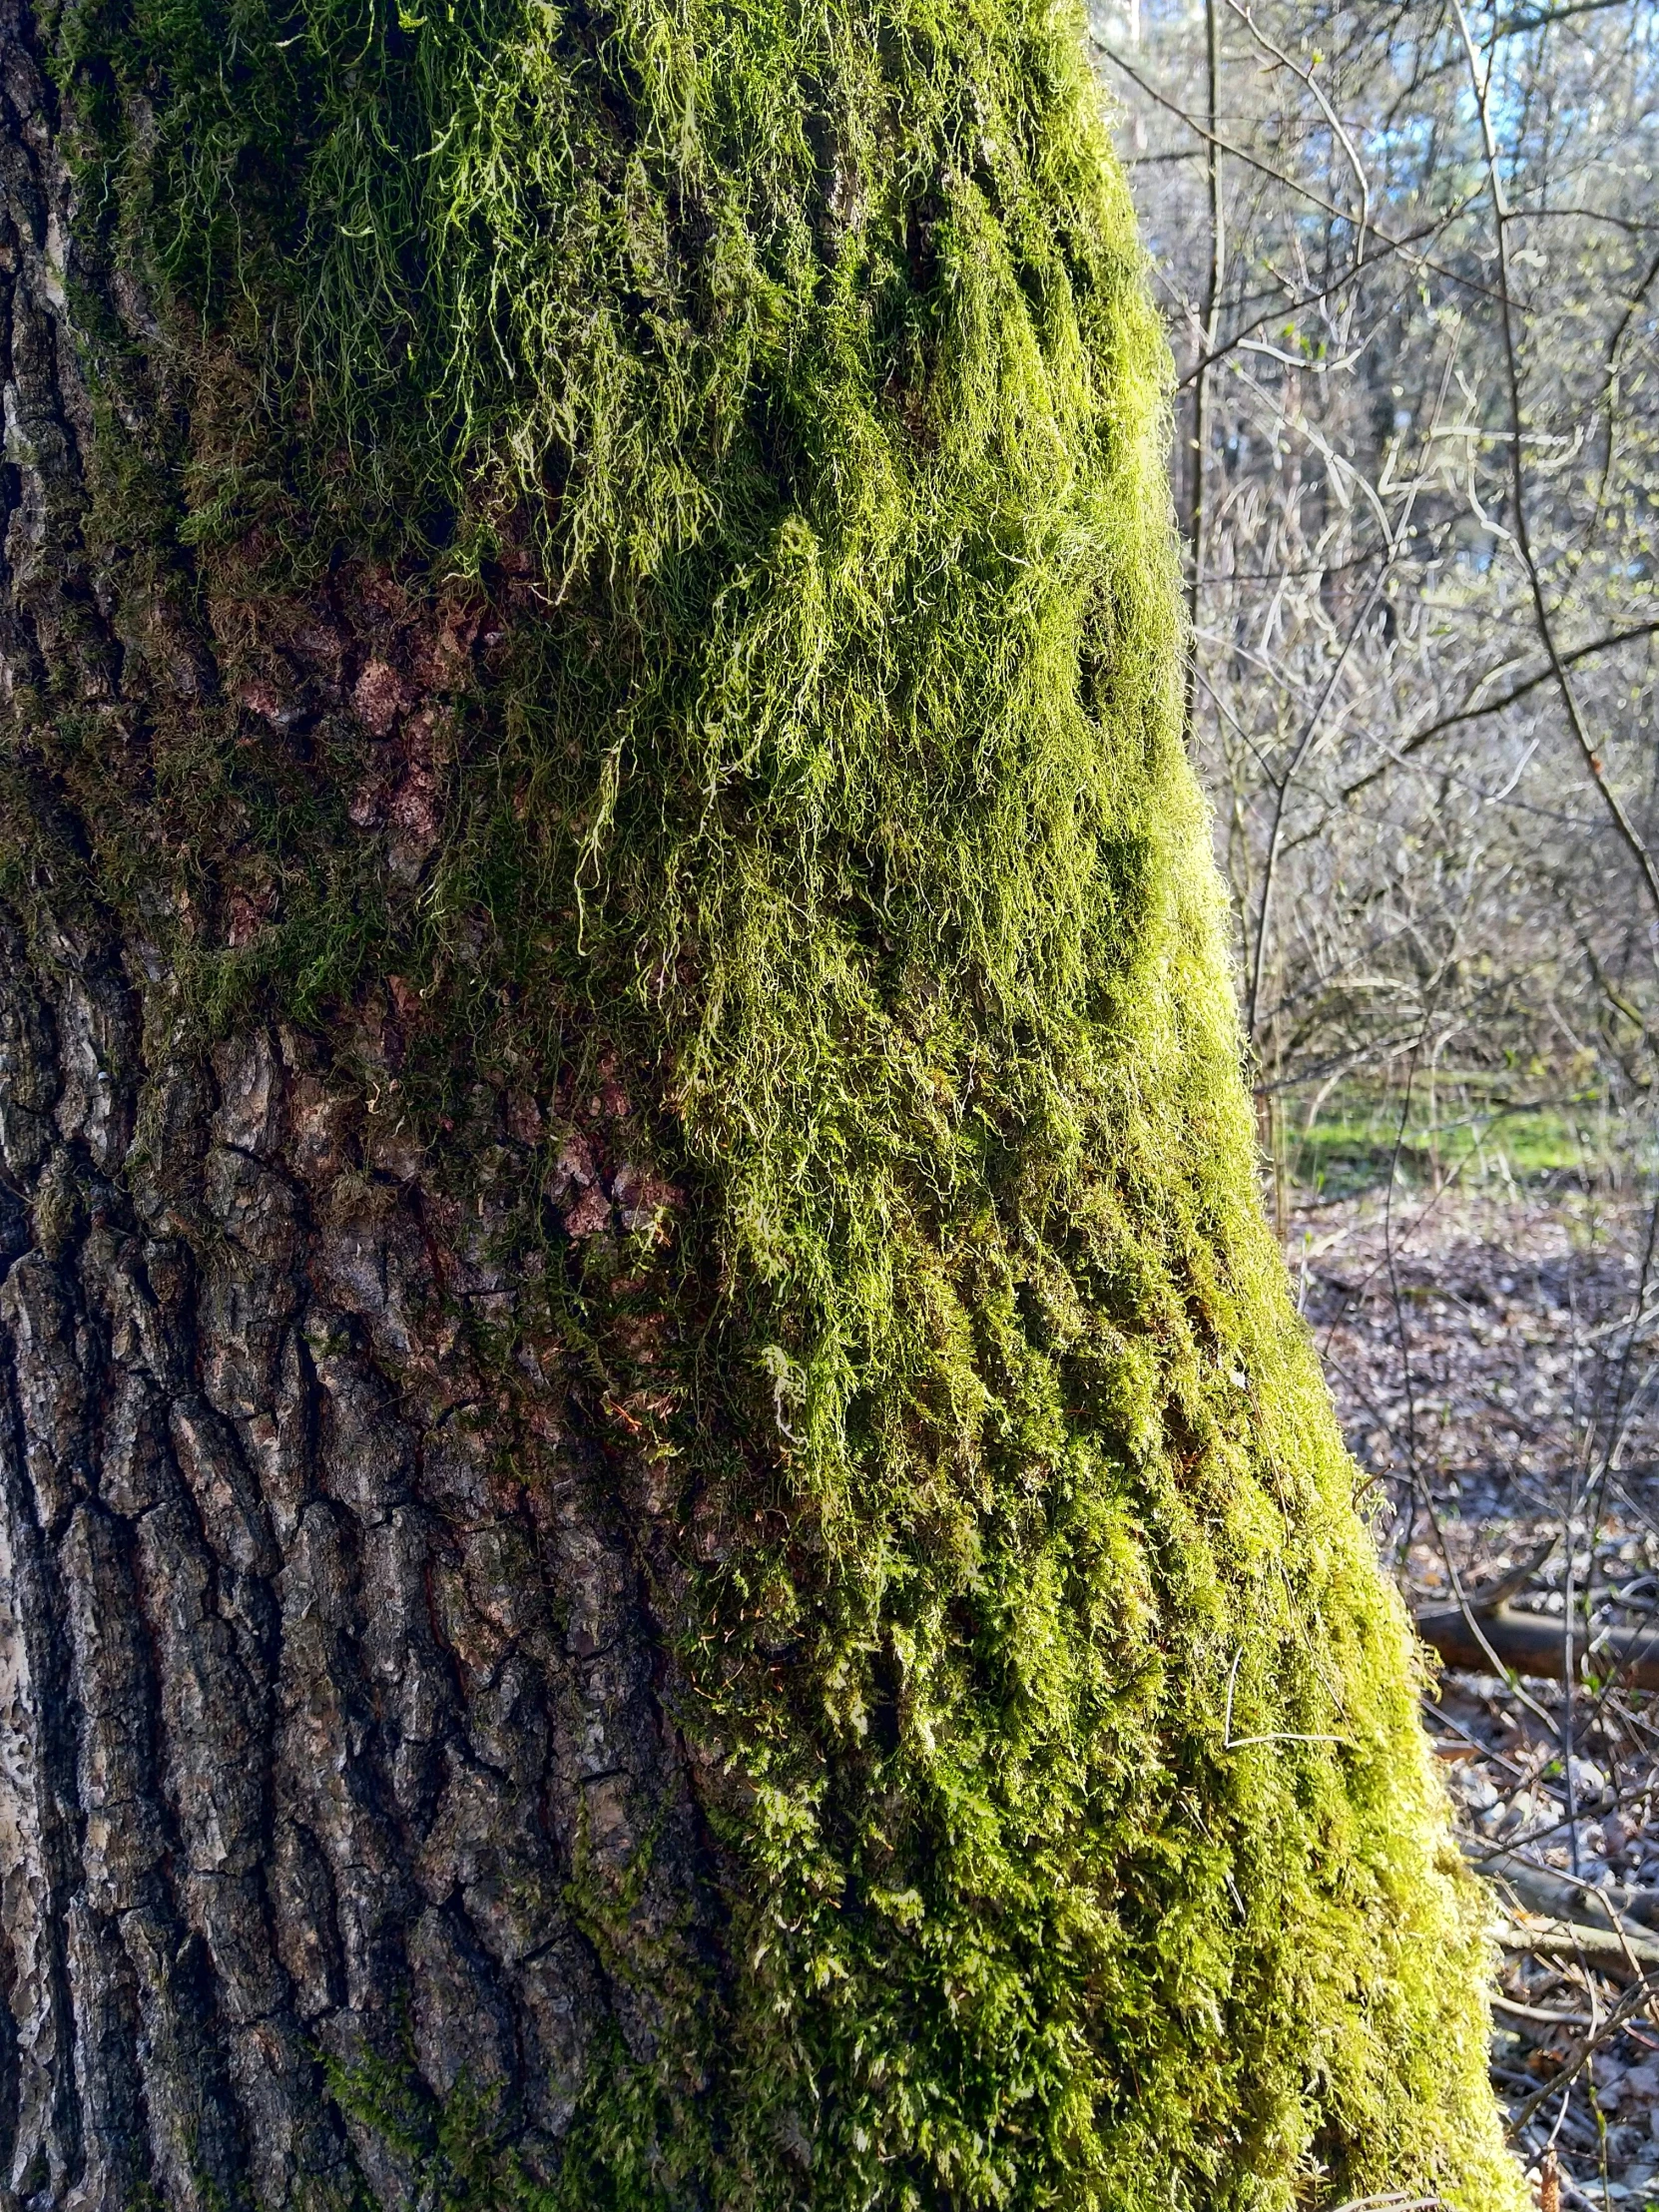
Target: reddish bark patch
380, 696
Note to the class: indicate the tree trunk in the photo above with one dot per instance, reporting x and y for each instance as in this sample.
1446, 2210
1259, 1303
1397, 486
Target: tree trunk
322, 1669
664, 1535
305, 1700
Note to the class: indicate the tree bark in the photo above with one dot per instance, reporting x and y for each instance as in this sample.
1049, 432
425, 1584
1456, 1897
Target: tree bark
320, 1668
770, 1619
307, 1699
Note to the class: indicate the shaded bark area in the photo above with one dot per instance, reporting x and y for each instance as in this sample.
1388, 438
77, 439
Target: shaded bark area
330, 1720
317, 1712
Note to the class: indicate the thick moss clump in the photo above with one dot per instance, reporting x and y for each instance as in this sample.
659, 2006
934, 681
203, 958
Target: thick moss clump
788, 378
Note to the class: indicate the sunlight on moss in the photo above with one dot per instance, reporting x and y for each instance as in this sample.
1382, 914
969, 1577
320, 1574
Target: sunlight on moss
833, 786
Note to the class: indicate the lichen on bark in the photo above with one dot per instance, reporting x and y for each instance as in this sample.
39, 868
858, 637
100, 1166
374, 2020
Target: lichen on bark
620, 1038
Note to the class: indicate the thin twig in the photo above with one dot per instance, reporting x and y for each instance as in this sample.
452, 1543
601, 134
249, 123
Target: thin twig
1313, 199
1419, 737
1209, 325
1230, 1742
1310, 728
1640, 1993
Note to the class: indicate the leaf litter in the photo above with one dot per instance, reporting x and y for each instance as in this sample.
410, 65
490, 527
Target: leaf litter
1493, 1353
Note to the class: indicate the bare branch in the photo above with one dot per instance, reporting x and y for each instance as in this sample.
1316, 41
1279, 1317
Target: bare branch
1545, 19
1469, 713
1291, 183
1631, 836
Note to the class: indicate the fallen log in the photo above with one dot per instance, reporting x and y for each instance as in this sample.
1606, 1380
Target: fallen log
1559, 1918
1564, 1896
1532, 1644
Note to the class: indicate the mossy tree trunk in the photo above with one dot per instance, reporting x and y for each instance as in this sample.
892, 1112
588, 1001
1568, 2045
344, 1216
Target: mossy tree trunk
326, 1654
665, 1536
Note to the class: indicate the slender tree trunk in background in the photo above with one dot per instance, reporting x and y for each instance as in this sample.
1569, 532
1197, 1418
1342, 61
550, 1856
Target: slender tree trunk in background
1209, 333
665, 1537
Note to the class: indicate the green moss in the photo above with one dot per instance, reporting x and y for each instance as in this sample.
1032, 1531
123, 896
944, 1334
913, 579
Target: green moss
790, 375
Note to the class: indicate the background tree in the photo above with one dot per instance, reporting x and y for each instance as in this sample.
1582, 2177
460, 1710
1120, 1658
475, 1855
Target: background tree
667, 1538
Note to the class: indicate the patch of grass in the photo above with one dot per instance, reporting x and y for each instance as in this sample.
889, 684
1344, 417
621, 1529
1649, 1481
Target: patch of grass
1473, 1125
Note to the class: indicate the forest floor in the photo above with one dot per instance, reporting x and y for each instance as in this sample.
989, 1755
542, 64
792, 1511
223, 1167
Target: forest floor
1494, 1347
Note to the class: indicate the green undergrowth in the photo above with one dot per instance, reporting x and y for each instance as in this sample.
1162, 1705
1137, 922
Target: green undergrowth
789, 376
1471, 1126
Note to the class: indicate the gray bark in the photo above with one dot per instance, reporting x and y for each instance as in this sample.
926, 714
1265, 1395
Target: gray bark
313, 1676
328, 1687
316, 1673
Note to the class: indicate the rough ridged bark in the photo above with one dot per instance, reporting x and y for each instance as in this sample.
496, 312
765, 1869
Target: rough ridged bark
306, 1703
